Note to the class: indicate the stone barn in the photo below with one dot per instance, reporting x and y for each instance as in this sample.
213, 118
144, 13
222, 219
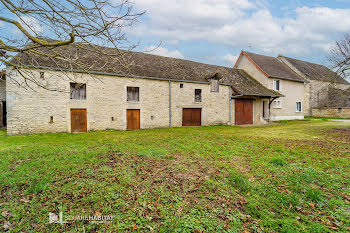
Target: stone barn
152, 92
2, 99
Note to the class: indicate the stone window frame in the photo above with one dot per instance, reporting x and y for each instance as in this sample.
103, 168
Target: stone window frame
198, 95
214, 85
80, 91
132, 94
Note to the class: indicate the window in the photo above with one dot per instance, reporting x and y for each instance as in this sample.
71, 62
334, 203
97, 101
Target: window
214, 85
78, 91
42, 75
198, 95
298, 107
133, 94
277, 104
277, 85
181, 85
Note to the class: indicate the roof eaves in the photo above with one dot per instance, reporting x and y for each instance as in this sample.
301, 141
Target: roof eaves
290, 79
117, 74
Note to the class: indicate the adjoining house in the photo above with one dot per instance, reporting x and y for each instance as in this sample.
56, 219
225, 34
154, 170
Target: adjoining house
275, 75
2, 98
324, 87
152, 92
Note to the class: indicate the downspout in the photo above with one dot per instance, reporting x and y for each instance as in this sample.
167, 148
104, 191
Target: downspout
170, 115
229, 107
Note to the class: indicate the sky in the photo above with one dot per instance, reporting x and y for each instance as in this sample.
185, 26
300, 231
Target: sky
215, 31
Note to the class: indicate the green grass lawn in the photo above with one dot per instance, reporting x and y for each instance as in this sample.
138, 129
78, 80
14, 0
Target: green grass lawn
292, 177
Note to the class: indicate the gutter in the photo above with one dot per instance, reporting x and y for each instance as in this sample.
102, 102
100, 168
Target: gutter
229, 104
170, 115
289, 79
236, 96
115, 74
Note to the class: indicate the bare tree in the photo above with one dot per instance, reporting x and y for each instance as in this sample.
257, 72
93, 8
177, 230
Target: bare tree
340, 56
57, 31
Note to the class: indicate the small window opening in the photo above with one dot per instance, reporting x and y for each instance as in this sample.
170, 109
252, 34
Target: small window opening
133, 94
277, 85
42, 75
181, 85
51, 119
298, 107
277, 104
112, 118
214, 85
77, 91
198, 95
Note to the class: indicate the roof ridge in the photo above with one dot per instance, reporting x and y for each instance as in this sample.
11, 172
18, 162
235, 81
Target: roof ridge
280, 55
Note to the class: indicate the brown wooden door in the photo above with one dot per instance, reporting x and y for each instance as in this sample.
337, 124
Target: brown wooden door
78, 120
243, 112
192, 117
133, 119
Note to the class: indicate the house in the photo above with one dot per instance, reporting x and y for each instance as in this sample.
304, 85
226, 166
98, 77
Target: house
277, 76
324, 87
151, 92
2, 99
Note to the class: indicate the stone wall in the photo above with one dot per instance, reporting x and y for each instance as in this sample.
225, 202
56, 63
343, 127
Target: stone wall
29, 111
2, 90
319, 92
331, 112
2, 98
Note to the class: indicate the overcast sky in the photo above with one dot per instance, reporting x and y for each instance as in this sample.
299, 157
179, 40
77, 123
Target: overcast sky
215, 31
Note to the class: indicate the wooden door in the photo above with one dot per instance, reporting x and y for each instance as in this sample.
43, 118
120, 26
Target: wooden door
78, 120
243, 112
192, 117
133, 119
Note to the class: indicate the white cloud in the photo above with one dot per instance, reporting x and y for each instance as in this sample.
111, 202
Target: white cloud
32, 24
230, 59
240, 24
164, 52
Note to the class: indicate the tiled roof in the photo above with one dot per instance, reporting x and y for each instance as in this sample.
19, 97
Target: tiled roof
144, 65
314, 71
273, 67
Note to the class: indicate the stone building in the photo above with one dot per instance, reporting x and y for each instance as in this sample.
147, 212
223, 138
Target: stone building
2, 99
275, 75
152, 92
324, 88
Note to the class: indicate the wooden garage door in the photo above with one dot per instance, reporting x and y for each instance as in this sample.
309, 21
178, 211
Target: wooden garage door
192, 117
133, 119
243, 112
78, 120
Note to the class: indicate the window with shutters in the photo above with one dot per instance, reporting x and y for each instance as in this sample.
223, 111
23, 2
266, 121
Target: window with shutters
198, 95
133, 94
77, 91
